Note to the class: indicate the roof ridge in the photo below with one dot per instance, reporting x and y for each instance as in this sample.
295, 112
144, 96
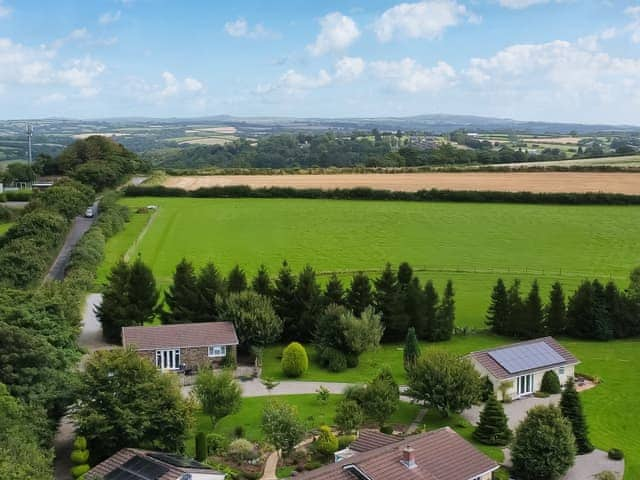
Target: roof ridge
514, 344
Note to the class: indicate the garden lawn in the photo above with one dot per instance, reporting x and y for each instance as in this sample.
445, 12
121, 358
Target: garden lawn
612, 408
313, 412
471, 243
4, 227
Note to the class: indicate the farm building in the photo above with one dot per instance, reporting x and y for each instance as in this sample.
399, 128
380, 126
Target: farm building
441, 454
135, 464
185, 346
516, 370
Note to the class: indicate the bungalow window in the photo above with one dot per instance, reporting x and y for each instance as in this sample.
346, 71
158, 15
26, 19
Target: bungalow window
561, 370
217, 350
168, 359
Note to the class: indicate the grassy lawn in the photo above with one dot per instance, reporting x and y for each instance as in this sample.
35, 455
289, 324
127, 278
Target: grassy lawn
4, 227
612, 408
472, 244
313, 412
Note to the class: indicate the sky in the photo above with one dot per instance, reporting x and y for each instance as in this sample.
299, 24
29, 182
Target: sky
547, 60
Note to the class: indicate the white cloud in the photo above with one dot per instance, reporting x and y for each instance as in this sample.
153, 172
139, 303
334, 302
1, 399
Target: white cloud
634, 27
520, 4
55, 97
409, 76
293, 80
5, 11
80, 73
240, 28
109, 17
421, 20
193, 85
349, 68
337, 32
170, 85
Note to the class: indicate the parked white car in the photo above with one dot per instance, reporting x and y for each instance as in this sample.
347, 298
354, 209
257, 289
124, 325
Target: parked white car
89, 212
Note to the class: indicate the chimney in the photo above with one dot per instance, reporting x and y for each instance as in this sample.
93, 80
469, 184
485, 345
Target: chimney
409, 457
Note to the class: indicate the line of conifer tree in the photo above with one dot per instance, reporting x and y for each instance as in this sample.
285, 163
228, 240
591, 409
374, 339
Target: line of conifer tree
299, 300
593, 311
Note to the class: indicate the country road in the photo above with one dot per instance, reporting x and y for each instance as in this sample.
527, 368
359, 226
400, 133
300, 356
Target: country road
78, 229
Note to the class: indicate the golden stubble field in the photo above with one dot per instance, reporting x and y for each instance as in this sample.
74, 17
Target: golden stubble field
553, 182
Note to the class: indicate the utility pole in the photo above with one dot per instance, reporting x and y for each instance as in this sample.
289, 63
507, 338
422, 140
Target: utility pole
29, 135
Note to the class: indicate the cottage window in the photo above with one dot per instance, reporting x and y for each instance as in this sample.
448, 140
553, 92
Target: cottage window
561, 370
217, 350
168, 359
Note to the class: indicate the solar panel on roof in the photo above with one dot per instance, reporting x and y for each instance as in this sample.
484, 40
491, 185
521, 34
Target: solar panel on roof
138, 468
528, 356
178, 460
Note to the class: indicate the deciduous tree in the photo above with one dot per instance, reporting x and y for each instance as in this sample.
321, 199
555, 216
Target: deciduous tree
219, 394
254, 318
282, 426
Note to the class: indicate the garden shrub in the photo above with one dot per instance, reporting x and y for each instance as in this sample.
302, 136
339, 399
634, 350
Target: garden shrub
202, 450
80, 443
79, 470
6, 214
345, 440
332, 359
312, 465
541, 394
606, 475
238, 431
388, 429
550, 383
78, 457
294, 360
216, 443
349, 415
352, 360
356, 393
615, 454
242, 450
327, 442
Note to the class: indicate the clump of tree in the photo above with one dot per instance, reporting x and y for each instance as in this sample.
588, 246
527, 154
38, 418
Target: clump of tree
378, 399
254, 318
129, 299
124, 400
341, 337
282, 426
544, 445
219, 394
444, 381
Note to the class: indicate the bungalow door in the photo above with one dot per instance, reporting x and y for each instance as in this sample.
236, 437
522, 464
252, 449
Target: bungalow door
525, 384
168, 359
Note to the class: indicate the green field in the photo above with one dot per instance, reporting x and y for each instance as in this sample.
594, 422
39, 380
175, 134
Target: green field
4, 227
471, 243
612, 408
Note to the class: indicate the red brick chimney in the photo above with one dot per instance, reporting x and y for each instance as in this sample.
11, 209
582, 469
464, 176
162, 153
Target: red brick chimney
409, 457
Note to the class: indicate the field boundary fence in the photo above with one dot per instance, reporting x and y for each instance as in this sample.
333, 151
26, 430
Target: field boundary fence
483, 270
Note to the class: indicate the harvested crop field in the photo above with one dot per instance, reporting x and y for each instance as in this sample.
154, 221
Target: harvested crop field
573, 182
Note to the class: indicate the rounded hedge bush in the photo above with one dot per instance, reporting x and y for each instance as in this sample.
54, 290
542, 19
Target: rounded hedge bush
78, 457
80, 443
550, 383
80, 470
294, 360
327, 442
616, 454
242, 450
345, 440
216, 443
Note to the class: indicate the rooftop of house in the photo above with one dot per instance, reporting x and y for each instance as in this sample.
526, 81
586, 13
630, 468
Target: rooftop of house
180, 335
436, 455
524, 357
136, 464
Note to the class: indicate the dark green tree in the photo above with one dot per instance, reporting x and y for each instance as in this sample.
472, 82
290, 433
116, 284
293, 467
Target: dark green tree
382, 397
254, 318
430, 307
262, 282
284, 298
219, 394
517, 312
359, 296
388, 302
182, 297
498, 312
414, 303
587, 315
571, 407
237, 280
307, 306
556, 311
112, 312
405, 275
445, 316
334, 291
550, 383
493, 428
349, 416
534, 324
211, 288
543, 448
411, 351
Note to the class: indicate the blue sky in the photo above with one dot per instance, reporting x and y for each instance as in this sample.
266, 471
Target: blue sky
555, 60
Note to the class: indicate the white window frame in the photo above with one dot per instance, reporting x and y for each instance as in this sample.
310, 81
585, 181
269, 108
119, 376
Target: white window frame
560, 370
168, 358
217, 351
524, 381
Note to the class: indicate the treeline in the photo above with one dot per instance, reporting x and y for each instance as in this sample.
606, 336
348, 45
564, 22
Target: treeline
330, 150
96, 161
29, 246
298, 301
38, 332
433, 195
594, 311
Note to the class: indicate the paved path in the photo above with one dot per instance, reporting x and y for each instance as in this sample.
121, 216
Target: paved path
587, 466
78, 229
91, 334
271, 466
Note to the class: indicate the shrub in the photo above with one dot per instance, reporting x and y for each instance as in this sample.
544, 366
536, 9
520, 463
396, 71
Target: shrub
242, 450
356, 393
80, 470
238, 431
349, 415
606, 475
345, 440
216, 443
615, 454
80, 443
327, 442
492, 428
388, 429
78, 457
294, 360
312, 465
323, 394
541, 394
550, 383
201, 446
